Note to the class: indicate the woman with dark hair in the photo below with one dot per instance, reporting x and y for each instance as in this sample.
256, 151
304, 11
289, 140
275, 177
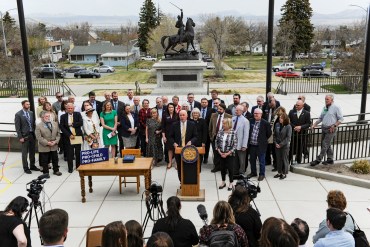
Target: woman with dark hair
282, 137
13, 230
181, 231
245, 215
160, 239
129, 127
168, 119
109, 122
223, 218
277, 233
114, 235
134, 234
153, 137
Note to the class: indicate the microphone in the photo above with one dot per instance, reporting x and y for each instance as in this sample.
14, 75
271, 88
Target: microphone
202, 212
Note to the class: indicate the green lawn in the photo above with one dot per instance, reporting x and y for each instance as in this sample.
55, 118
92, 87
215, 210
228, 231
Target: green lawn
238, 76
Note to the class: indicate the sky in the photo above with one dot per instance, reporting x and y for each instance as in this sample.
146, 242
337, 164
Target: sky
190, 7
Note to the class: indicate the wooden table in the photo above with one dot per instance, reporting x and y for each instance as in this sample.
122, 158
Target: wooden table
141, 166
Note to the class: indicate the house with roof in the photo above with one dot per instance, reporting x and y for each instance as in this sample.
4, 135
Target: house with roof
54, 51
106, 52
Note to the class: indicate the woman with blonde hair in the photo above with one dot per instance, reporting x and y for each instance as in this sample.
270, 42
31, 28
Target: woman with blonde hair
41, 100
223, 218
153, 137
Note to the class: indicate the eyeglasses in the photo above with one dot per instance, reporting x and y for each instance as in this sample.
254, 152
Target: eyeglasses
59, 96
299, 98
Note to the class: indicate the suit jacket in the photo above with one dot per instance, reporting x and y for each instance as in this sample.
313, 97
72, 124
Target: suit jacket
248, 115
266, 104
77, 123
242, 132
120, 109
202, 131
191, 133
208, 115
126, 124
254, 108
264, 134
44, 135
282, 136
210, 102
133, 108
196, 104
163, 111
305, 106
213, 125
21, 124
304, 119
230, 108
99, 106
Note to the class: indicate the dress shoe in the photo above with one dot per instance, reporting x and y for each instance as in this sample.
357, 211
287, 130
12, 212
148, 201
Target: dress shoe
34, 168
230, 188
328, 162
283, 176
215, 170
28, 171
205, 161
47, 175
277, 175
274, 170
70, 171
58, 173
222, 186
315, 162
251, 175
261, 177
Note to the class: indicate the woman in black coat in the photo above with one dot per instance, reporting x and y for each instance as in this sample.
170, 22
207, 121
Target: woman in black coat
202, 129
168, 119
129, 125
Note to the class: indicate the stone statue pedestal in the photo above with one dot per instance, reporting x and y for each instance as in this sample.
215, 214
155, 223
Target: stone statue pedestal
176, 77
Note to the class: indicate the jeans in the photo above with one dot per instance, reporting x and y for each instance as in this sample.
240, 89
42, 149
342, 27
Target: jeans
253, 154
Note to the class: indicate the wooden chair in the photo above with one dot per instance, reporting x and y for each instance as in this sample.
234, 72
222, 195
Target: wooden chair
137, 154
94, 236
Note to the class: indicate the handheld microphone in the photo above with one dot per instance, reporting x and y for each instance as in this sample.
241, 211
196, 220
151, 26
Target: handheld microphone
202, 212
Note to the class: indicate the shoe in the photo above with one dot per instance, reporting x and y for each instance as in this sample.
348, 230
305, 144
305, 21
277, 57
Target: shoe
277, 175
222, 186
28, 171
215, 170
205, 161
251, 175
283, 176
58, 173
169, 166
60, 151
261, 177
230, 188
305, 156
34, 168
274, 170
328, 162
65, 159
47, 175
315, 162
70, 171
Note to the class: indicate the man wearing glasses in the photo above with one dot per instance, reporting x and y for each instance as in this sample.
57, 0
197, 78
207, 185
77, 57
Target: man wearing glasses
260, 101
58, 104
305, 106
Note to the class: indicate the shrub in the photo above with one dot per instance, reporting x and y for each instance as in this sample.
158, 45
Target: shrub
361, 167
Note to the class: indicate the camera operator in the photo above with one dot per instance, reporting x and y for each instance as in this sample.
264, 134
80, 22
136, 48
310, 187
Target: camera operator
11, 222
181, 231
246, 216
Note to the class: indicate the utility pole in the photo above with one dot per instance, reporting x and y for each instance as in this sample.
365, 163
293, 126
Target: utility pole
270, 32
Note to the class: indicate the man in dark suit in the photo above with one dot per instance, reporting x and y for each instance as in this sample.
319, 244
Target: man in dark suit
300, 120
119, 107
161, 109
246, 113
192, 103
24, 121
269, 116
70, 124
305, 106
214, 96
260, 102
97, 105
270, 96
181, 139
205, 113
259, 133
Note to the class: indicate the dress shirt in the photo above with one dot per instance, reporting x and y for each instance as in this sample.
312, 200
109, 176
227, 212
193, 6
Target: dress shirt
330, 115
203, 113
160, 112
337, 238
129, 101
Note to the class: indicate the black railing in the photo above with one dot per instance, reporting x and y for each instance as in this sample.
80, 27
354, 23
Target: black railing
47, 87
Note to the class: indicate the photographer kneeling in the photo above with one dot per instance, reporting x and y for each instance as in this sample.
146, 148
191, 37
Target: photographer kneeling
246, 216
182, 231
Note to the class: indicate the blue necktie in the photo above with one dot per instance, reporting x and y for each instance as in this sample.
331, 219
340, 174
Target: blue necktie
236, 122
203, 113
29, 120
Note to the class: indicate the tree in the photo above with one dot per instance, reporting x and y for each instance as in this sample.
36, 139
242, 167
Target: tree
80, 33
285, 39
148, 21
166, 27
299, 13
262, 35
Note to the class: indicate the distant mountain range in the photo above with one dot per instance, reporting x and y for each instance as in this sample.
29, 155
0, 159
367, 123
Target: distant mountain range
100, 22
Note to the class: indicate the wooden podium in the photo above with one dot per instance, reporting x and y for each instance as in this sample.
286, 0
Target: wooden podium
190, 191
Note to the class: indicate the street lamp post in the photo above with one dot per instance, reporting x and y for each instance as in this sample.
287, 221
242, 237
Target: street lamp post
366, 19
2, 26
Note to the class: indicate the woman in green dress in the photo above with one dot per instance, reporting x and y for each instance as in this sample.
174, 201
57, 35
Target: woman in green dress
108, 120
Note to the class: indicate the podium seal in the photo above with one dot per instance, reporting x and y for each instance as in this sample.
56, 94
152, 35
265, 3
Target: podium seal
189, 154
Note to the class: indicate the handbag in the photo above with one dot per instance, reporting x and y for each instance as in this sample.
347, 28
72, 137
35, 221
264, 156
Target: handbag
359, 235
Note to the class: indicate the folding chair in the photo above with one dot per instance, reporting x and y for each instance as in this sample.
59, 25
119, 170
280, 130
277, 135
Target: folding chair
94, 236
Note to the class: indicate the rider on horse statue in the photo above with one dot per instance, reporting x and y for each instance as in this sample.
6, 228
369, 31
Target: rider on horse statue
180, 25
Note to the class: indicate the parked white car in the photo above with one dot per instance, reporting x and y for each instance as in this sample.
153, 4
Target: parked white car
283, 66
104, 69
148, 58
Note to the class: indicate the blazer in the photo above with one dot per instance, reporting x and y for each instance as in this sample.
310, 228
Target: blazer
213, 125
305, 106
202, 131
230, 143
282, 136
304, 119
77, 124
191, 133
88, 124
126, 124
248, 115
208, 114
230, 108
254, 108
241, 131
119, 110
196, 104
21, 124
264, 134
44, 135
210, 102
99, 106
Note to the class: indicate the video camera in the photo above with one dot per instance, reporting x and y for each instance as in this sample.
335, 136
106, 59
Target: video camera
252, 189
155, 188
35, 187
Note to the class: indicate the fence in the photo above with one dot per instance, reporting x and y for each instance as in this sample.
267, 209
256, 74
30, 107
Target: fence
319, 84
46, 87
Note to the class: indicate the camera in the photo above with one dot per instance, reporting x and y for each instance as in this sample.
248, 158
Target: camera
155, 188
35, 187
252, 189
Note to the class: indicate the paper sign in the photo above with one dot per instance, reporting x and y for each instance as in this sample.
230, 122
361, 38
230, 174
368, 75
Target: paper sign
94, 155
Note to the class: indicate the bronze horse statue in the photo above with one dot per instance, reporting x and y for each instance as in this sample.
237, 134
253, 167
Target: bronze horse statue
174, 40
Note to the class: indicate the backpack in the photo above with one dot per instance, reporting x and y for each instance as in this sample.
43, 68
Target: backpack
223, 237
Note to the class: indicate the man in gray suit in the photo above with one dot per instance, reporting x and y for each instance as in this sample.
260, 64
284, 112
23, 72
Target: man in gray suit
241, 128
25, 127
47, 134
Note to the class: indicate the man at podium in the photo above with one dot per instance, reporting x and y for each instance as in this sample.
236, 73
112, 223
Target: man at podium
183, 133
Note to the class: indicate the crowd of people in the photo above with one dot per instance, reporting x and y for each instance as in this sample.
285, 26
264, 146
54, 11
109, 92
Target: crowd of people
233, 223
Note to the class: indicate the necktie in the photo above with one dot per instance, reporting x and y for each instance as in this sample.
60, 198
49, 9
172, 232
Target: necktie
270, 115
218, 124
183, 133
29, 120
191, 106
73, 131
203, 113
115, 106
50, 127
236, 122
136, 111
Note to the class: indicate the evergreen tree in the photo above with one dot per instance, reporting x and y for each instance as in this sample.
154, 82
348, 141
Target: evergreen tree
8, 20
148, 21
297, 14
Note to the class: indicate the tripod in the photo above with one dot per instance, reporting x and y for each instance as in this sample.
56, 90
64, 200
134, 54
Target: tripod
35, 204
155, 211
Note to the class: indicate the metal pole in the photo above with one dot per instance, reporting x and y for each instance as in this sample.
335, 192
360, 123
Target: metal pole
26, 58
361, 118
128, 30
269, 46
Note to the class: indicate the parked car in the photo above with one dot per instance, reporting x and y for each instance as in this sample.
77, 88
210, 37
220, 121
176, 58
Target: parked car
283, 66
148, 58
287, 74
314, 73
50, 72
104, 69
74, 69
86, 74
315, 66
210, 66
